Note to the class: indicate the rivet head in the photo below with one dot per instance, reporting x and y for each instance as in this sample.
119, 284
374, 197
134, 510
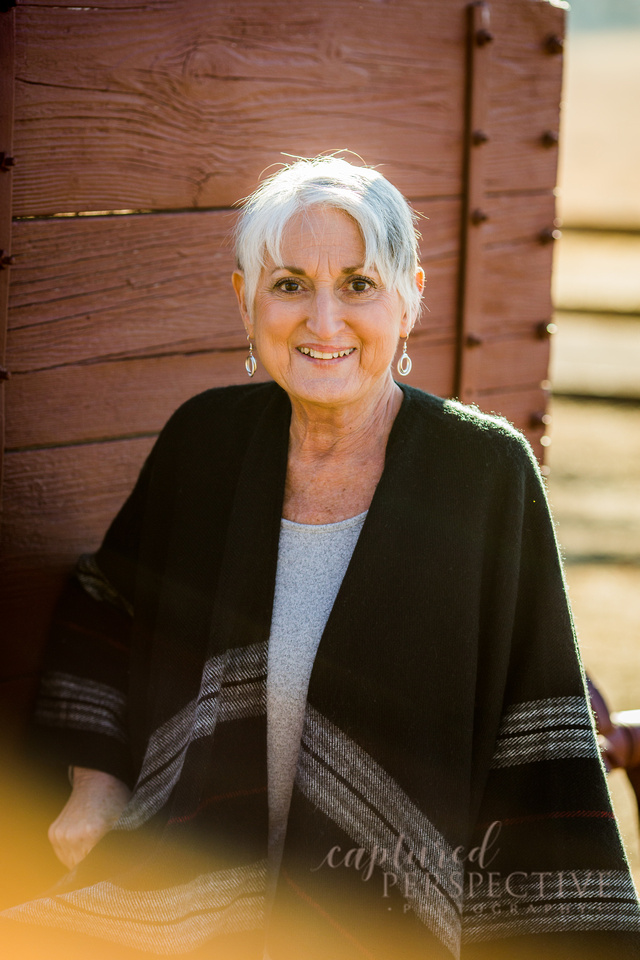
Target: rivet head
549, 138
554, 44
545, 330
483, 37
539, 419
549, 235
4, 374
478, 137
478, 216
473, 340
6, 260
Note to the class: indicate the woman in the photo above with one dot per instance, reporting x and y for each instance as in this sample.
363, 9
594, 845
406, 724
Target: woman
353, 585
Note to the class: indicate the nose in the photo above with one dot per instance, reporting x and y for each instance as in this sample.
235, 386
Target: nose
325, 315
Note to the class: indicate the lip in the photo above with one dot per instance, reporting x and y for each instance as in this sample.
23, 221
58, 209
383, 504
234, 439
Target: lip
328, 351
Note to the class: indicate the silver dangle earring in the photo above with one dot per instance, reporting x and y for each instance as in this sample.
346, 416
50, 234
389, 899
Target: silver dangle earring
404, 363
251, 364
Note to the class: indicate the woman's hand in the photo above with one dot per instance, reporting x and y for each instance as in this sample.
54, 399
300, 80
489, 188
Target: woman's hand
96, 802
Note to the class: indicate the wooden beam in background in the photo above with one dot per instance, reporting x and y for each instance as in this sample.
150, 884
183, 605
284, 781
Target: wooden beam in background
480, 40
514, 74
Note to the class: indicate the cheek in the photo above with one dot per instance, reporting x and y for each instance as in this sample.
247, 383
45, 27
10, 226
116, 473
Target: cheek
273, 329
382, 338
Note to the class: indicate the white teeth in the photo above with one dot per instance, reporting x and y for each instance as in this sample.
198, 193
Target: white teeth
317, 355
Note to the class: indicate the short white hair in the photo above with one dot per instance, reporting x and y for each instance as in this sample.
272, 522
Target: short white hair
386, 221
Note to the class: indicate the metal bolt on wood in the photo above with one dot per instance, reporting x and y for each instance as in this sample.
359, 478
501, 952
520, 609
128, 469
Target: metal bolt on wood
6, 260
545, 330
470, 307
4, 374
549, 138
549, 235
483, 37
539, 419
554, 44
478, 216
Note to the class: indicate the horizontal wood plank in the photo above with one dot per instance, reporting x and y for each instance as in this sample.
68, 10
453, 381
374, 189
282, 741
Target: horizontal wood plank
92, 288
516, 294
509, 363
98, 401
518, 217
58, 504
58, 501
115, 124
183, 104
95, 402
110, 287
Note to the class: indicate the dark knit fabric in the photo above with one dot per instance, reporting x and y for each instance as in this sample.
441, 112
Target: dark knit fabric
449, 796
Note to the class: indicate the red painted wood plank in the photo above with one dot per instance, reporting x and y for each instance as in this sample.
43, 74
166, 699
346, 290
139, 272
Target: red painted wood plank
92, 288
183, 104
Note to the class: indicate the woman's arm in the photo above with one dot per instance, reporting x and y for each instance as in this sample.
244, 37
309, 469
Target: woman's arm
97, 800
81, 711
81, 717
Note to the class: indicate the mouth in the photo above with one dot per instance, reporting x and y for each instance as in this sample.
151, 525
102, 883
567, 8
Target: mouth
325, 354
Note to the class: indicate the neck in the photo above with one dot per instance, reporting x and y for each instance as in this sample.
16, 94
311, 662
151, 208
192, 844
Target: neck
318, 431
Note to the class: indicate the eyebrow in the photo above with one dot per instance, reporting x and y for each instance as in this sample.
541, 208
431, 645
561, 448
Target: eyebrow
296, 271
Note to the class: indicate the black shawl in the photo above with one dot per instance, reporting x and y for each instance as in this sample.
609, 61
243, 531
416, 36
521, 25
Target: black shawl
449, 797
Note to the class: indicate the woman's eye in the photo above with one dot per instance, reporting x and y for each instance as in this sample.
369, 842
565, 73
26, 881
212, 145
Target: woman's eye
360, 284
288, 285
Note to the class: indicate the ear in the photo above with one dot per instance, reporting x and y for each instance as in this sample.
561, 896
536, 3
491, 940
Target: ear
237, 279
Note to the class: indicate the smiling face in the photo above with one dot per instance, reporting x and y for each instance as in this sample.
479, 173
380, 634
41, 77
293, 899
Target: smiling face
325, 329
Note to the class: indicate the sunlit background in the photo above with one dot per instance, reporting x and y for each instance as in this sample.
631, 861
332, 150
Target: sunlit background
594, 456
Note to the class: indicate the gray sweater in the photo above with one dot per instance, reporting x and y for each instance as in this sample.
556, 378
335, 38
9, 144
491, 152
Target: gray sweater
312, 560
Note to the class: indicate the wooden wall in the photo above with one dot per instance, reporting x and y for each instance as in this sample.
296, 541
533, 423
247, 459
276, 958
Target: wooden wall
137, 128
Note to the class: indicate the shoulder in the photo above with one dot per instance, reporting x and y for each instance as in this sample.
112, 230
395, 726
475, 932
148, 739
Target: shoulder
236, 399
220, 411
464, 435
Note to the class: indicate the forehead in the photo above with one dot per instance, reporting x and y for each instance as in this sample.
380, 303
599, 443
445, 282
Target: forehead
319, 230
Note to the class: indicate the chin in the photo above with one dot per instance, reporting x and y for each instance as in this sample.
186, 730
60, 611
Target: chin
325, 391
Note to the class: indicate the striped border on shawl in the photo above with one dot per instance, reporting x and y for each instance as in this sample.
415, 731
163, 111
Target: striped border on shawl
344, 781
233, 687
570, 900
166, 921
76, 703
556, 729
